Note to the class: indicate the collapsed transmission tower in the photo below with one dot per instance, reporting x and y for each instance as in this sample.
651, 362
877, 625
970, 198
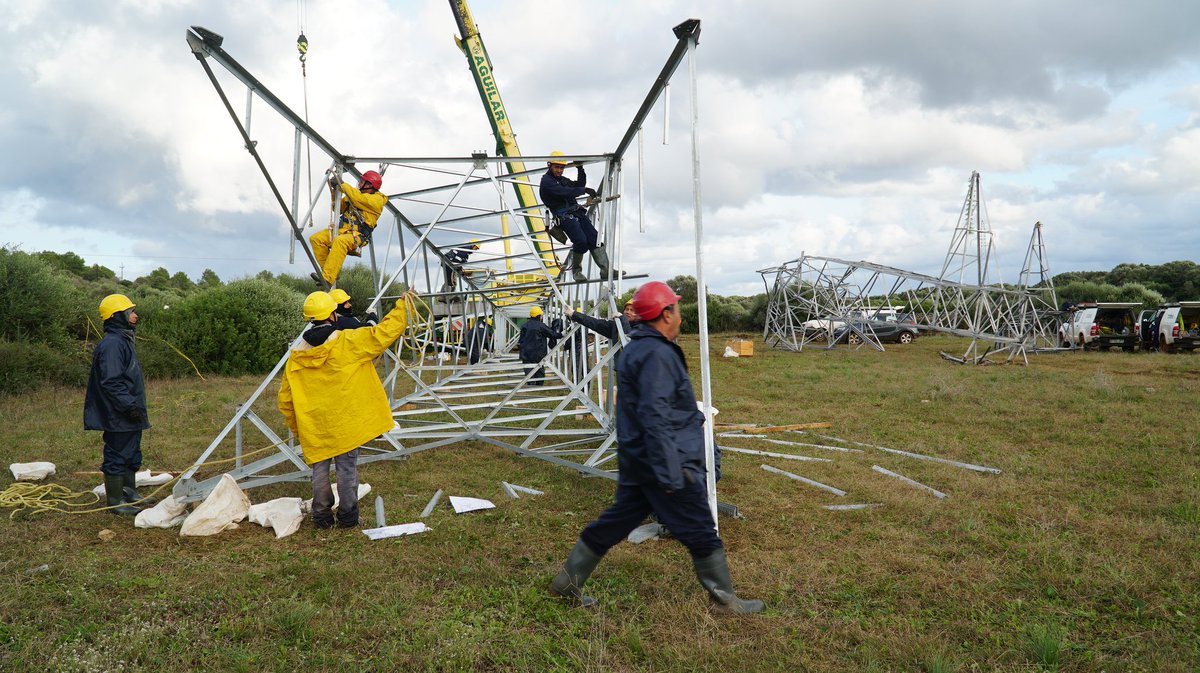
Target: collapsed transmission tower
438, 397
822, 300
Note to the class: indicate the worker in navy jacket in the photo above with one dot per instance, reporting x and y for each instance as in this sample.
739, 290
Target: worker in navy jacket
660, 453
534, 344
559, 194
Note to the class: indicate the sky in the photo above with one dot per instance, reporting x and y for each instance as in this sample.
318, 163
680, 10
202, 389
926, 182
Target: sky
845, 130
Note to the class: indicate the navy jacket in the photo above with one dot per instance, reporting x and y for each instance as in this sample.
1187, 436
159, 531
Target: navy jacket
350, 322
532, 345
459, 256
660, 432
605, 328
559, 194
115, 389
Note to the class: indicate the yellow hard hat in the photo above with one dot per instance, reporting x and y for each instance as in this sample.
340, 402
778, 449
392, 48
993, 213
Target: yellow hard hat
489, 321
339, 296
535, 311
114, 303
558, 162
319, 305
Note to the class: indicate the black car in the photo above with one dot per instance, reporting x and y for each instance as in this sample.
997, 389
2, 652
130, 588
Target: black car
886, 332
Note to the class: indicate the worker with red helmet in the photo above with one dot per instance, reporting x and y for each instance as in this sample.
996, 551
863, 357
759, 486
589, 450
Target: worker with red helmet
360, 211
660, 454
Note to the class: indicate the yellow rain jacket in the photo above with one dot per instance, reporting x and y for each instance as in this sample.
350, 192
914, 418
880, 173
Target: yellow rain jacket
370, 205
331, 396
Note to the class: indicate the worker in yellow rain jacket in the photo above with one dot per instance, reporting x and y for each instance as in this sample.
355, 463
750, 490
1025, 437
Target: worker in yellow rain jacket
360, 210
334, 402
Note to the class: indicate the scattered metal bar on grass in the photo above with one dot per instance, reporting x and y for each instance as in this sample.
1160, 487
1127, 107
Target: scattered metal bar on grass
850, 508
432, 503
815, 446
918, 456
509, 490
810, 482
771, 454
526, 489
910, 482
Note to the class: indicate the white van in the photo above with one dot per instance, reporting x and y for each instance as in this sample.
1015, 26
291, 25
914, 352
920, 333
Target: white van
1101, 325
1179, 326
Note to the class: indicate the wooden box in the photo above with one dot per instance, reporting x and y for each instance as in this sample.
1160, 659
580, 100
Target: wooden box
742, 347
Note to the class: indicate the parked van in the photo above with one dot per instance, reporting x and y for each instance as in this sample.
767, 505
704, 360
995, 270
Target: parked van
1179, 326
1101, 325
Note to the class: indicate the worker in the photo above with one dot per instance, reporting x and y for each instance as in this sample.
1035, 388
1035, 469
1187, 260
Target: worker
660, 455
345, 312
360, 210
454, 261
333, 401
559, 194
605, 328
478, 339
533, 344
115, 403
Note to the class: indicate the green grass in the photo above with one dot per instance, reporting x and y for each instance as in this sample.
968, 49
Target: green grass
1080, 556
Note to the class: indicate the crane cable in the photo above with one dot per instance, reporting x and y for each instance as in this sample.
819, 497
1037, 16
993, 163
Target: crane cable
302, 47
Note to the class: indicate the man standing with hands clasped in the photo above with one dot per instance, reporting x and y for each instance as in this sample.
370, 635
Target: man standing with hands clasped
660, 453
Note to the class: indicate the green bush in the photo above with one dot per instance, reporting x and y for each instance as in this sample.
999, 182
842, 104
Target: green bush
25, 366
240, 328
37, 301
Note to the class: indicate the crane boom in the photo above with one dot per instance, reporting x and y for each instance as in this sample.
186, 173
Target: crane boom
471, 44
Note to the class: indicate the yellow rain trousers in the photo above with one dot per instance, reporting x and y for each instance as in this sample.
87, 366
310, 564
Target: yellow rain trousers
331, 254
331, 396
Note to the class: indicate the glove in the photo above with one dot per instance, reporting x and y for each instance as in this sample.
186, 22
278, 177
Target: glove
567, 310
372, 317
334, 182
137, 415
590, 192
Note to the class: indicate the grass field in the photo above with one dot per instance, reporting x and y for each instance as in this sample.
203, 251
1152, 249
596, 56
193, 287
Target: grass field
1083, 555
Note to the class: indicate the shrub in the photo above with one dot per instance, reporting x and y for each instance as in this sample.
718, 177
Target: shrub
25, 366
37, 301
243, 327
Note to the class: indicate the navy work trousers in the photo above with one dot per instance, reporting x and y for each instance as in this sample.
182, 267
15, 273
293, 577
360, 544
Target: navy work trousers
122, 452
578, 227
685, 513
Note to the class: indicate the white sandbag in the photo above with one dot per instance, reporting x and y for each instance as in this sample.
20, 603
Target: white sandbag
282, 514
223, 507
35, 471
146, 478
168, 513
730, 353
363, 489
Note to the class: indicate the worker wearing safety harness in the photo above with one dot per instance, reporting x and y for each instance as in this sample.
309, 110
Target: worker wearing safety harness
333, 401
454, 261
660, 455
559, 194
360, 210
115, 402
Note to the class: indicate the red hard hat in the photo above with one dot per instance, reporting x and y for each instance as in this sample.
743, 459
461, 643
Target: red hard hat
651, 298
374, 179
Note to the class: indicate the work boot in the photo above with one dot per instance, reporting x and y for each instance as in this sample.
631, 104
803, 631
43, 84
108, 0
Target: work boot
575, 571
576, 265
600, 257
713, 573
317, 279
130, 493
114, 498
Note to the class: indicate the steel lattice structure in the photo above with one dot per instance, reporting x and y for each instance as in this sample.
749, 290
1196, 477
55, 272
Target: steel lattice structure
811, 299
436, 396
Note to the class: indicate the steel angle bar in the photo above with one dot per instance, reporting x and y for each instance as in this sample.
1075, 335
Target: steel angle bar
432, 503
910, 482
789, 456
851, 508
804, 480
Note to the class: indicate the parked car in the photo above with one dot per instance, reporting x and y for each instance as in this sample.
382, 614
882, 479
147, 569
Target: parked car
1179, 326
1101, 325
886, 332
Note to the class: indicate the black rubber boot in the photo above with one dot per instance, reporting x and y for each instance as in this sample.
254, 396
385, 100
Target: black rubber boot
575, 571
114, 496
600, 257
576, 264
713, 573
130, 493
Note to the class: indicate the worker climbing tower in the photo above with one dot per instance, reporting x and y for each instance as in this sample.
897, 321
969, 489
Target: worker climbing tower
454, 377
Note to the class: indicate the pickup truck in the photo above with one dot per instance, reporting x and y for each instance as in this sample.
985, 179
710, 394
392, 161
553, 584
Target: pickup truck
1179, 326
1101, 325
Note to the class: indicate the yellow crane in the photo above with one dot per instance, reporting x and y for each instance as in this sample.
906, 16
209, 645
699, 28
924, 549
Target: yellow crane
471, 44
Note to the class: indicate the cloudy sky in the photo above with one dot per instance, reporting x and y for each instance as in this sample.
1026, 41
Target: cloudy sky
840, 129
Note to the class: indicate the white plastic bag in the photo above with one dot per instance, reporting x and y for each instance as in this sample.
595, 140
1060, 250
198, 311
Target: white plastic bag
143, 478
730, 353
168, 513
363, 489
36, 471
221, 510
282, 514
